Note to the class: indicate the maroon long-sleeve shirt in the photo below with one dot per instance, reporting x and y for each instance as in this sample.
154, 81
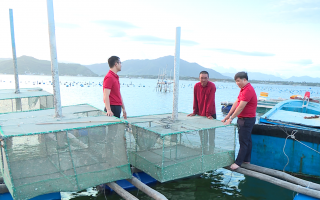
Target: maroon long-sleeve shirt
204, 99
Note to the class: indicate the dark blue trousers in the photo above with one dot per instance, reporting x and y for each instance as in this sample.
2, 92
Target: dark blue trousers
245, 126
115, 109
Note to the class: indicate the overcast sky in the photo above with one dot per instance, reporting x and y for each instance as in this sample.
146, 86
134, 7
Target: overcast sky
279, 37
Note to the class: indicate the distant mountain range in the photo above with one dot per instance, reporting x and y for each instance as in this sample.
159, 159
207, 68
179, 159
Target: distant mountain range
30, 65
33, 66
257, 76
267, 77
153, 67
3, 59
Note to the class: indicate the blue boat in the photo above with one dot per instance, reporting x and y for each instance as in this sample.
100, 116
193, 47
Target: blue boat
142, 176
288, 138
51, 196
303, 197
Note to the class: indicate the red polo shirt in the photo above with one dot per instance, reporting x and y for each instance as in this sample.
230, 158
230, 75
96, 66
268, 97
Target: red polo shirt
111, 81
204, 99
248, 94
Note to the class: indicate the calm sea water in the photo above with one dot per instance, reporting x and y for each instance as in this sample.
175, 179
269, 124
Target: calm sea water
141, 98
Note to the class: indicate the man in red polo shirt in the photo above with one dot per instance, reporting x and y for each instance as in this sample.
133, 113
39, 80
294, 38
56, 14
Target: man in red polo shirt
245, 109
111, 89
204, 105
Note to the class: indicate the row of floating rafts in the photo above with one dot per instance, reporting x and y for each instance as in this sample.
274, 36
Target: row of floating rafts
72, 84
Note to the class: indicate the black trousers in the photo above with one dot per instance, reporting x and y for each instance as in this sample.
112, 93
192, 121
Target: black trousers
245, 126
115, 109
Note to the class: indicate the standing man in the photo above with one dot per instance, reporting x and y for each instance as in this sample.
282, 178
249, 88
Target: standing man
204, 105
245, 109
204, 97
111, 89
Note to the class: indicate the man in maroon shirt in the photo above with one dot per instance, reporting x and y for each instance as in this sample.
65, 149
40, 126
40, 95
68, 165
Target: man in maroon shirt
204, 105
111, 89
204, 97
245, 109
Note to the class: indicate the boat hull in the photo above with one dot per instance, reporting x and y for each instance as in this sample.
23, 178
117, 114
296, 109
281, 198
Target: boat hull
269, 144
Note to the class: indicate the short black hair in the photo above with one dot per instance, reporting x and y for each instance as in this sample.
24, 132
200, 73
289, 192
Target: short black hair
204, 72
112, 61
241, 75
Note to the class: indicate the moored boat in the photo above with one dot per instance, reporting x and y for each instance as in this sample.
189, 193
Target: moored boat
288, 137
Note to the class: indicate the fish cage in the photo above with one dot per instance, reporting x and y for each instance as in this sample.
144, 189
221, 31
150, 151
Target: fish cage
41, 154
168, 150
27, 99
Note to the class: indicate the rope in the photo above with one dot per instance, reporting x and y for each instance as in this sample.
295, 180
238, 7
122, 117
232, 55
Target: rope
285, 142
292, 136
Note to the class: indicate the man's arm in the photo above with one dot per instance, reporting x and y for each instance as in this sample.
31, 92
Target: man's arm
106, 93
210, 103
238, 110
123, 109
233, 108
195, 103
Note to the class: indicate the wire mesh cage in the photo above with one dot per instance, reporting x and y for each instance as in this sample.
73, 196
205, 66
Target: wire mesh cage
169, 150
27, 99
41, 154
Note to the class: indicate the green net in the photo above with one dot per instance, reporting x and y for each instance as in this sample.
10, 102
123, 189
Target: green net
42, 154
169, 150
27, 99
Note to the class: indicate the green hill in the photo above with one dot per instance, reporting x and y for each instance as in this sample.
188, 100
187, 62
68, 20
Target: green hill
30, 65
152, 67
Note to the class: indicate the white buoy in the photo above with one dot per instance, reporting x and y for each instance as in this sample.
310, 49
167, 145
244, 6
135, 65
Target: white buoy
54, 60
176, 75
14, 55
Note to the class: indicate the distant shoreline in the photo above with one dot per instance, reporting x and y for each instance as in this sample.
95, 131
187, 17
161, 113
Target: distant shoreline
196, 79
231, 80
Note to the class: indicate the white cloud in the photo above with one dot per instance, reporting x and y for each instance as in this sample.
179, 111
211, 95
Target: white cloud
89, 32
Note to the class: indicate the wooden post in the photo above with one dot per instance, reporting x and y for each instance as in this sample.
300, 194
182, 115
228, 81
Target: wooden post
146, 189
14, 55
54, 61
121, 192
176, 75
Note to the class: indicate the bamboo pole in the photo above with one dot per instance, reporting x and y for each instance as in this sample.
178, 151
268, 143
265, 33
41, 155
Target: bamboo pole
176, 75
282, 175
146, 189
54, 61
121, 192
14, 55
279, 182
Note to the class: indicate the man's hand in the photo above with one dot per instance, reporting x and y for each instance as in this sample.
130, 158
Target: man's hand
124, 114
226, 118
210, 117
190, 115
228, 121
109, 113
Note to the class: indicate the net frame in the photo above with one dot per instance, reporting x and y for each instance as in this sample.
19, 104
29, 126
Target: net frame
158, 169
27, 100
6, 159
